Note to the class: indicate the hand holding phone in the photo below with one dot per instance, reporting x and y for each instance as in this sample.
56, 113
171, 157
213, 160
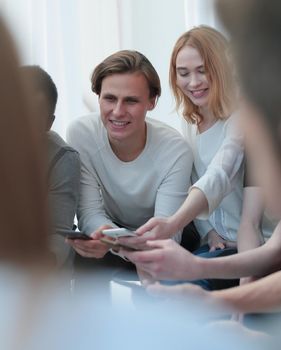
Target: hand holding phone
114, 244
70, 234
118, 232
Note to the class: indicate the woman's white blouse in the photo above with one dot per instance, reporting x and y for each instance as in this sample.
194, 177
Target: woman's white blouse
218, 172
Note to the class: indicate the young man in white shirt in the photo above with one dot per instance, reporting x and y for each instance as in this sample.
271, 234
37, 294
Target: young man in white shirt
133, 167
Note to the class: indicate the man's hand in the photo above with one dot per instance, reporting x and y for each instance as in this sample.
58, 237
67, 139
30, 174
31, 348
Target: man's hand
93, 248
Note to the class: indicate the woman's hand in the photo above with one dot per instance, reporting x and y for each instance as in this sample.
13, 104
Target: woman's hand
154, 229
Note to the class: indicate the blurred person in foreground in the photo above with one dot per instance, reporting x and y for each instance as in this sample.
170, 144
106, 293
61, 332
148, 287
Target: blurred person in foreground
24, 252
22, 178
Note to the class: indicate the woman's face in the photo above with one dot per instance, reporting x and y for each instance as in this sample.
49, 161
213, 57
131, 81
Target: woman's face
191, 76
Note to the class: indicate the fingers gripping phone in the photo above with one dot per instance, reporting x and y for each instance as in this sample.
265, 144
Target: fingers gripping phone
113, 233
114, 244
70, 234
118, 232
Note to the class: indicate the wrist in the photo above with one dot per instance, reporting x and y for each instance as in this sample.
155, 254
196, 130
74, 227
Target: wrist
194, 270
175, 223
202, 267
225, 300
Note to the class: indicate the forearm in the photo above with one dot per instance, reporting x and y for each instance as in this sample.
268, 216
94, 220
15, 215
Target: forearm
249, 237
256, 262
194, 204
173, 190
167, 205
263, 295
90, 220
91, 211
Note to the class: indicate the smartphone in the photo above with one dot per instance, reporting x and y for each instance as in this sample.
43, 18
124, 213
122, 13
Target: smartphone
115, 244
118, 232
70, 234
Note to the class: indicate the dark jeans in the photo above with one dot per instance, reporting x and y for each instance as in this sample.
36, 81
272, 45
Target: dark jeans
190, 238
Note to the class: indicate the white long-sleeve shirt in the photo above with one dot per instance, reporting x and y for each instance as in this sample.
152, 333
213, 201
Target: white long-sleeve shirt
218, 172
129, 193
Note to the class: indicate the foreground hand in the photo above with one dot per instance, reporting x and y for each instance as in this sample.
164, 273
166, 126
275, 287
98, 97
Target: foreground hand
215, 241
239, 316
179, 291
93, 248
145, 277
188, 292
155, 228
165, 260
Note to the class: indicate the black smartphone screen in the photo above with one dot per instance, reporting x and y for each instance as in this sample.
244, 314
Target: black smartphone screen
70, 234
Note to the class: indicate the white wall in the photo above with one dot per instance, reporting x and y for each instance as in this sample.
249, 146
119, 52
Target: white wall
69, 37
149, 26
153, 28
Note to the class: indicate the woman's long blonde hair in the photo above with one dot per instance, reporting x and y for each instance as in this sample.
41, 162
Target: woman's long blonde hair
214, 50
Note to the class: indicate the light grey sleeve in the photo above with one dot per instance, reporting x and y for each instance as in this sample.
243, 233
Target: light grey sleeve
174, 188
64, 188
91, 212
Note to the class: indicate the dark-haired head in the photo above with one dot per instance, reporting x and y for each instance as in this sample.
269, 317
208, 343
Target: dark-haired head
126, 61
43, 90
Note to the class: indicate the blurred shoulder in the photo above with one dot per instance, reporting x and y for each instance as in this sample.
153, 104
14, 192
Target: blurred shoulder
56, 144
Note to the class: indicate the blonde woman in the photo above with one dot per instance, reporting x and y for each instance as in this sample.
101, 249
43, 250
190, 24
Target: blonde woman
202, 80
